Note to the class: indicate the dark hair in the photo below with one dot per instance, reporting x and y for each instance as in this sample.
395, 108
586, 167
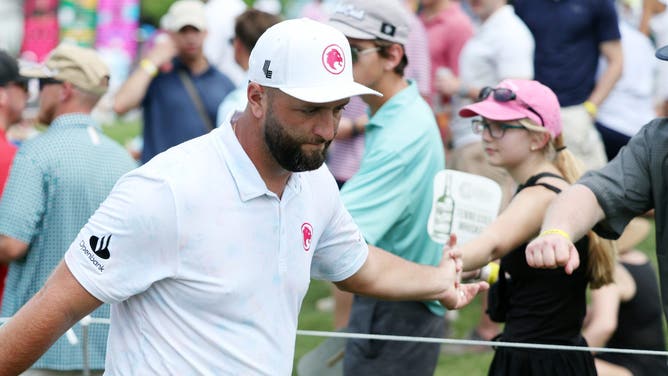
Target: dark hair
251, 24
384, 46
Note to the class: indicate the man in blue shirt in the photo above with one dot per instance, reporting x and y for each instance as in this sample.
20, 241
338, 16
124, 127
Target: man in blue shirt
390, 196
57, 180
570, 36
181, 100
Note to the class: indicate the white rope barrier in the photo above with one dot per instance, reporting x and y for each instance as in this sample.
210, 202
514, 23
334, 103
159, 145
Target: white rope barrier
465, 342
446, 341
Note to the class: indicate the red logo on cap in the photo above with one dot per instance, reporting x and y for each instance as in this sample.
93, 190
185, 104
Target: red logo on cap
332, 59
307, 234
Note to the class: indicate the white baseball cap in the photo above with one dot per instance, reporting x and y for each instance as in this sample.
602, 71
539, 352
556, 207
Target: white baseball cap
307, 60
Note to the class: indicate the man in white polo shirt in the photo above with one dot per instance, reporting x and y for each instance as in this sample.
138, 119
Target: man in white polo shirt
206, 252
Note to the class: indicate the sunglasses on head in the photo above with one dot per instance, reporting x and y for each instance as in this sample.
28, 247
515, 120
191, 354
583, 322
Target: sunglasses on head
502, 94
355, 52
48, 81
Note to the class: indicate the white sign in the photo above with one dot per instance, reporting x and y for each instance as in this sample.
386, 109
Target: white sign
463, 204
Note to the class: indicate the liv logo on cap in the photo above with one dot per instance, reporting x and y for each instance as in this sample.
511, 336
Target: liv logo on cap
333, 59
307, 60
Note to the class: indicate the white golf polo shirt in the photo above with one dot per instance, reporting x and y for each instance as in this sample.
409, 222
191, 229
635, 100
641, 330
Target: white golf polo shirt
205, 267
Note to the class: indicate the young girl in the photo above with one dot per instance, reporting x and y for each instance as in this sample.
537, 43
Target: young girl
521, 130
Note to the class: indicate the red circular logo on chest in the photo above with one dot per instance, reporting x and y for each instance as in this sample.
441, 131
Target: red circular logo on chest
307, 234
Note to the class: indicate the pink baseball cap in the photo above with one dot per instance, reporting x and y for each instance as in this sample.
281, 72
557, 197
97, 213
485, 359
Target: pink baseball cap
531, 100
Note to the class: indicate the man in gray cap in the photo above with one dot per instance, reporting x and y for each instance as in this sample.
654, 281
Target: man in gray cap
13, 97
57, 181
390, 196
629, 185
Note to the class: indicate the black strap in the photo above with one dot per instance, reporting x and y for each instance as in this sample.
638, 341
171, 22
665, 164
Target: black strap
532, 181
197, 100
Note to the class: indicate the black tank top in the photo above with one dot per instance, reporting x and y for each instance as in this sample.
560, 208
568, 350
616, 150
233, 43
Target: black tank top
640, 325
544, 305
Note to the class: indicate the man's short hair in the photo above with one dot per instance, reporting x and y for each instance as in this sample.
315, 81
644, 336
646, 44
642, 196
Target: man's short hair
251, 24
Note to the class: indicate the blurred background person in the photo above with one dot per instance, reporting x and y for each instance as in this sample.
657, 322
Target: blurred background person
570, 36
57, 180
626, 314
13, 98
179, 103
220, 20
248, 27
630, 103
448, 29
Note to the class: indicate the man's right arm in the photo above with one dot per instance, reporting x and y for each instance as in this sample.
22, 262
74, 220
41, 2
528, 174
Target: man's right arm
46, 317
569, 217
133, 90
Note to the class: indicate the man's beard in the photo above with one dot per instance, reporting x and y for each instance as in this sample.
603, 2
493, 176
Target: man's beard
287, 151
46, 115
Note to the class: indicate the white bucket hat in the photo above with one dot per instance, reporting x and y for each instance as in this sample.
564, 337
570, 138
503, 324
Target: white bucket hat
307, 60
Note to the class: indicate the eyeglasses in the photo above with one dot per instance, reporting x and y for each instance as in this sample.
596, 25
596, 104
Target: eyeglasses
502, 94
48, 81
356, 52
496, 130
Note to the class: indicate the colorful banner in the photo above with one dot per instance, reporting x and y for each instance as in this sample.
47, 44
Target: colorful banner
40, 29
117, 28
77, 20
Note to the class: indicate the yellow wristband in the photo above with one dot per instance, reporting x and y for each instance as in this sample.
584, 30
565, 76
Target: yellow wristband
557, 232
592, 109
492, 272
148, 67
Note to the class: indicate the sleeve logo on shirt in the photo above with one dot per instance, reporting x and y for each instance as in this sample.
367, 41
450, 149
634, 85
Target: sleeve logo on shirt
100, 246
307, 235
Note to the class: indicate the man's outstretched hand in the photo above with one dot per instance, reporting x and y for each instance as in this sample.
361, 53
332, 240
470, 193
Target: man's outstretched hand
458, 294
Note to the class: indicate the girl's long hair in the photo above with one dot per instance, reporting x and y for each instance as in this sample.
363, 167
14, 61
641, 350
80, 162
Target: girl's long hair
601, 251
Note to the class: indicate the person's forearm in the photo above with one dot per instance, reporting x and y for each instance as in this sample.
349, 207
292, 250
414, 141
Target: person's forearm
11, 249
41, 321
478, 252
605, 83
132, 92
574, 211
390, 277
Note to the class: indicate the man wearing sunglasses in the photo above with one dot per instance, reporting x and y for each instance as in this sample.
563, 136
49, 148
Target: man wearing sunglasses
13, 97
57, 181
390, 196
608, 199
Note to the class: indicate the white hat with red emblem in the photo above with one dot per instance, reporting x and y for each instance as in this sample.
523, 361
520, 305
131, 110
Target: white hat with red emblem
305, 59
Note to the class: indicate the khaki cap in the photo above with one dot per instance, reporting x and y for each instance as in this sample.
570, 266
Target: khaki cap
184, 13
79, 66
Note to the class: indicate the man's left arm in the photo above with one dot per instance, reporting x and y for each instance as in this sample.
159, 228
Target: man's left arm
612, 52
386, 276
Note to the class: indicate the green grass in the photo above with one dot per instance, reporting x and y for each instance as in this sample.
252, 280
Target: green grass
123, 130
